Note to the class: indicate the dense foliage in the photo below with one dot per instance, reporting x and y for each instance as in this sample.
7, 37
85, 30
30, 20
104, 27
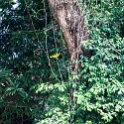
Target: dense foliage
35, 88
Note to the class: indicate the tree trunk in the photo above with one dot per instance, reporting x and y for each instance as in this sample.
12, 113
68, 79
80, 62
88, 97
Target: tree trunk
70, 19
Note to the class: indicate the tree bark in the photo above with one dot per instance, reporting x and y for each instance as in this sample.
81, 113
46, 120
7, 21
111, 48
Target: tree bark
70, 19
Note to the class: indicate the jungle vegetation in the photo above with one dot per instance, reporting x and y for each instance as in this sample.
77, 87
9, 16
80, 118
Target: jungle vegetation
62, 62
